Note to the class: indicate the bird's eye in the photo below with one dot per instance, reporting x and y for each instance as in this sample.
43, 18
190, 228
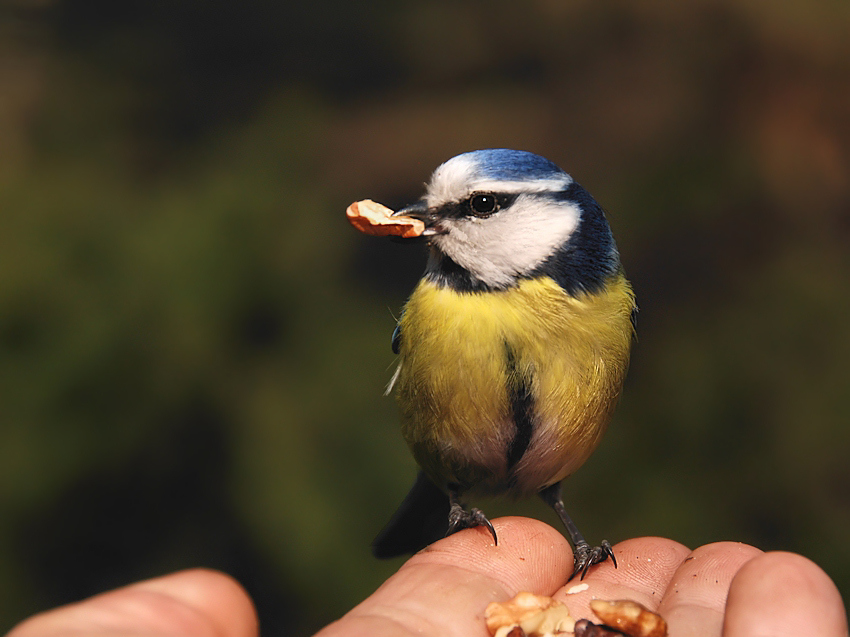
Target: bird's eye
483, 204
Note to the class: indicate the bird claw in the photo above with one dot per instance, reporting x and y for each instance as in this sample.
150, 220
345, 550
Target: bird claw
585, 556
460, 518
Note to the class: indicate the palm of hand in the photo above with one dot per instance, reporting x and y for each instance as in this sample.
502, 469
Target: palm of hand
726, 588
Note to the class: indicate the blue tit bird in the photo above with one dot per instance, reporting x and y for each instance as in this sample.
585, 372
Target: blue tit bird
512, 348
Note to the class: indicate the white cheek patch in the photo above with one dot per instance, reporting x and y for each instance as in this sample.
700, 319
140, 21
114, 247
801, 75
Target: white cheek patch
511, 242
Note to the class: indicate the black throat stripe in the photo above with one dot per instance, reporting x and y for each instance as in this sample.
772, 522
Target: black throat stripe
522, 409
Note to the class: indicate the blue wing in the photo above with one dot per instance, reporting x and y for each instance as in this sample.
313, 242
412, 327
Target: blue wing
396, 344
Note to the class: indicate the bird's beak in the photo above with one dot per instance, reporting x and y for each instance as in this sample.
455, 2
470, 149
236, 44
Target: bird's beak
420, 210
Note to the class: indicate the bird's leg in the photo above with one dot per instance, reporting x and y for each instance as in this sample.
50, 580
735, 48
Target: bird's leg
460, 518
584, 556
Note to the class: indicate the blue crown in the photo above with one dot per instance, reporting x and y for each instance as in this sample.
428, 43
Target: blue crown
512, 165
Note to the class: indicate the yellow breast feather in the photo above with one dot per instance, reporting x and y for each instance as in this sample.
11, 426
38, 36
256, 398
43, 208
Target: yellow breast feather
462, 352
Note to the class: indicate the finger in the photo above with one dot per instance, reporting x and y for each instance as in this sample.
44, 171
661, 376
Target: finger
211, 595
444, 589
195, 603
695, 599
784, 594
644, 569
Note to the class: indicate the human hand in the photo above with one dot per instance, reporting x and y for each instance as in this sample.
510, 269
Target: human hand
195, 603
727, 588
724, 589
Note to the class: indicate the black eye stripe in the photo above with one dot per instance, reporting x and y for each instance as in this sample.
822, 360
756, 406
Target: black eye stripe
461, 209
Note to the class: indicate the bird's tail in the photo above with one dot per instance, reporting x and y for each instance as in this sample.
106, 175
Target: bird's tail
422, 518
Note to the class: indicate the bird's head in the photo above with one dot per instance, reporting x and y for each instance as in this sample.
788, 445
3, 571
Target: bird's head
496, 216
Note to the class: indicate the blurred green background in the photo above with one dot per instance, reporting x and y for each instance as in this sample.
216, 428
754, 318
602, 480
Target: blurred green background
194, 343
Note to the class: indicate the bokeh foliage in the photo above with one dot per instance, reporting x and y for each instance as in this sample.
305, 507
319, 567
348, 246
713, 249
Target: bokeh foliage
193, 343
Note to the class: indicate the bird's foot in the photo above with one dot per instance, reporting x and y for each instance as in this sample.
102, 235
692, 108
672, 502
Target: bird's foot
460, 518
585, 556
